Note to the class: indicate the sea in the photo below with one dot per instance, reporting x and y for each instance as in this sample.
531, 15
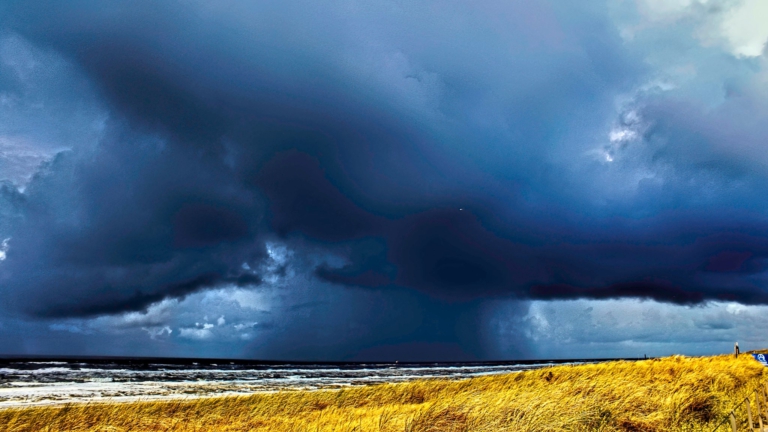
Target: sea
55, 381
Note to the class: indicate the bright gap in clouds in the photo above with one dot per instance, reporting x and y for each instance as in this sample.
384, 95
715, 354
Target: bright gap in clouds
633, 328
746, 28
738, 25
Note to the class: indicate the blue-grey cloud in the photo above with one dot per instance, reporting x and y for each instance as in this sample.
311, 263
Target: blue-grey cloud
466, 153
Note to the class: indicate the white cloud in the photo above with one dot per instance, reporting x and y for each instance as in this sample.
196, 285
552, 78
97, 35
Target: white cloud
245, 325
626, 160
629, 327
279, 254
158, 332
746, 28
279, 257
628, 129
199, 332
249, 299
739, 26
4, 246
226, 314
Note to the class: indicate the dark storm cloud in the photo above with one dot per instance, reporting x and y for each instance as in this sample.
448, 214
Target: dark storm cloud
113, 304
115, 242
453, 254
418, 141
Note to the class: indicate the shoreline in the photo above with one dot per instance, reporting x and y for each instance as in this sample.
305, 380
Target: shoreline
59, 386
666, 394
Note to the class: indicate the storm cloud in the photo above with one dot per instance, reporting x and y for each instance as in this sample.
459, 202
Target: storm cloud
456, 153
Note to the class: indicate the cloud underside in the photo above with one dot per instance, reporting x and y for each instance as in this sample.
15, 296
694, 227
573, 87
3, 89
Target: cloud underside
454, 156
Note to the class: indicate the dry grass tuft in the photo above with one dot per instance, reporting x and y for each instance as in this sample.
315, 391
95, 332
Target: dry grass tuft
669, 394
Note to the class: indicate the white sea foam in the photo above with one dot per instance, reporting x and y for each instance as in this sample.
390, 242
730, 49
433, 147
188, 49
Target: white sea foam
27, 383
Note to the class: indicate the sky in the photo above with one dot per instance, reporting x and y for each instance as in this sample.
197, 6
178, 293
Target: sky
393, 180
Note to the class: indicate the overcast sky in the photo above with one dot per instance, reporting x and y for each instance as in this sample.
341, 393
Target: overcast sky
392, 180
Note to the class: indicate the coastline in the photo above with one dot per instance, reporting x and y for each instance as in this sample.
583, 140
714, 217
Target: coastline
666, 394
58, 383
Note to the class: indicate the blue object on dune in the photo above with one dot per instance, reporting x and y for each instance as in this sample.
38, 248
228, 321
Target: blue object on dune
761, 358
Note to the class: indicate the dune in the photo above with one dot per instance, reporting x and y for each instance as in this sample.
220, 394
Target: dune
667, 394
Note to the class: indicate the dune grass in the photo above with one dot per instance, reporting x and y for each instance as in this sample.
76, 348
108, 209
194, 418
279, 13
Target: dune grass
669, 394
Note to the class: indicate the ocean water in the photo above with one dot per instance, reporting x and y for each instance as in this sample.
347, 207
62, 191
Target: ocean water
59, 381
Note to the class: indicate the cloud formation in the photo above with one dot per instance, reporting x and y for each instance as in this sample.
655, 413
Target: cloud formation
458, 152
595, 328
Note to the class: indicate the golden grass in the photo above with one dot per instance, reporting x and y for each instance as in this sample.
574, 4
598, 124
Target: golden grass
670, 394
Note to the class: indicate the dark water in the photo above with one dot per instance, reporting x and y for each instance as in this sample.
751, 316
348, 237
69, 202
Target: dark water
60, 380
